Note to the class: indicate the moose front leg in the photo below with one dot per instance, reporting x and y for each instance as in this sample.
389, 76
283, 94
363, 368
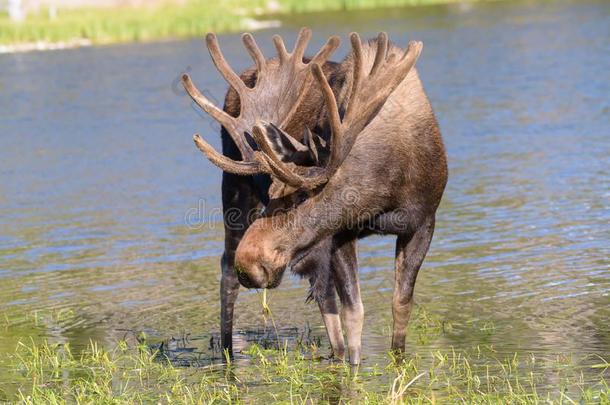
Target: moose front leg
229, 289
332, 321
345, 272
238, 199
322, 288
410, 253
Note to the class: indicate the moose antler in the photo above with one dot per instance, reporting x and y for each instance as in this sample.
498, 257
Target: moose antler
280, 86
369, 92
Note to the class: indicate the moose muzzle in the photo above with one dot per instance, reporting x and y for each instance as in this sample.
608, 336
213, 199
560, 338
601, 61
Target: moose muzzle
259, 263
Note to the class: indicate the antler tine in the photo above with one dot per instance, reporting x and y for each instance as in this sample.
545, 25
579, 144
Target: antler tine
282, 175
282, 53
405, 64
329, 47
301, 45
382, 50
416, 47
223, 67
409, 58
254, 52
222, 117
333, 116
226, 164
358, 71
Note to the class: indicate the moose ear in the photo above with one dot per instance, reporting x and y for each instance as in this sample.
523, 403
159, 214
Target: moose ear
287, 148
291, 150
287, 142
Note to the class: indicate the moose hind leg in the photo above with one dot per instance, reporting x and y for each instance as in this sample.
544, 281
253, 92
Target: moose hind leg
411, 250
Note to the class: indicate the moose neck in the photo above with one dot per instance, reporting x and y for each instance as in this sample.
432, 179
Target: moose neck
328, 213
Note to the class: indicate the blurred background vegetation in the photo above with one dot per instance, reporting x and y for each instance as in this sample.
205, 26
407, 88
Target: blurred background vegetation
111, 21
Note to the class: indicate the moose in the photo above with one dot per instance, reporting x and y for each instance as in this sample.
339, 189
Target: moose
329, 153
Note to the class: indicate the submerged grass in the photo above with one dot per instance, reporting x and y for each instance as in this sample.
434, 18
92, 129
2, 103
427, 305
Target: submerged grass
167, 20
53, 374
43, 372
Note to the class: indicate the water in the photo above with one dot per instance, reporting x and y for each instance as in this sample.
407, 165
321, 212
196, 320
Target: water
109, 214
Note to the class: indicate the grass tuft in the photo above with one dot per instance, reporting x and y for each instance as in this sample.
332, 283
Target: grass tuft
53, 374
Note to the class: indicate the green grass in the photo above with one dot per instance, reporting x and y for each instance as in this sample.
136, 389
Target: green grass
53, 374
194, 18
125, 24
132, 373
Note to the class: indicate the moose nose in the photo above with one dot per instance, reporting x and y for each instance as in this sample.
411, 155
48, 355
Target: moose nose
253, 277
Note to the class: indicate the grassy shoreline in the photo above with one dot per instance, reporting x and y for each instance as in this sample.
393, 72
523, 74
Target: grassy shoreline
128, 374
78, 27
133, 371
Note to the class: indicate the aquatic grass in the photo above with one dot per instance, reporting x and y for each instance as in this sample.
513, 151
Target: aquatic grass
122, 375
52, 373
136, 371
168, 21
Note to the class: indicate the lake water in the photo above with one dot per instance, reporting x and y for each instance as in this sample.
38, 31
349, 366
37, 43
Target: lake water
109, 214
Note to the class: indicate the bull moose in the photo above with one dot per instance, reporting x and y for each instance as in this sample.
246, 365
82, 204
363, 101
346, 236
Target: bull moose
331, 152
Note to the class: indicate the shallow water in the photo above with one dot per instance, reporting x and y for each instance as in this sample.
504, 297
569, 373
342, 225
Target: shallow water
109, 215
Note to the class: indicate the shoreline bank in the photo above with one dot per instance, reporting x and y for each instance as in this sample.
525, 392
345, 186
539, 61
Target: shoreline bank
38, 46
73, 28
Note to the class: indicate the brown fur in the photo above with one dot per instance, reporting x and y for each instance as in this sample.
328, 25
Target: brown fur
396, 173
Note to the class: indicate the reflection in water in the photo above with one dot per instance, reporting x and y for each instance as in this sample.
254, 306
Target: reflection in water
109, 214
